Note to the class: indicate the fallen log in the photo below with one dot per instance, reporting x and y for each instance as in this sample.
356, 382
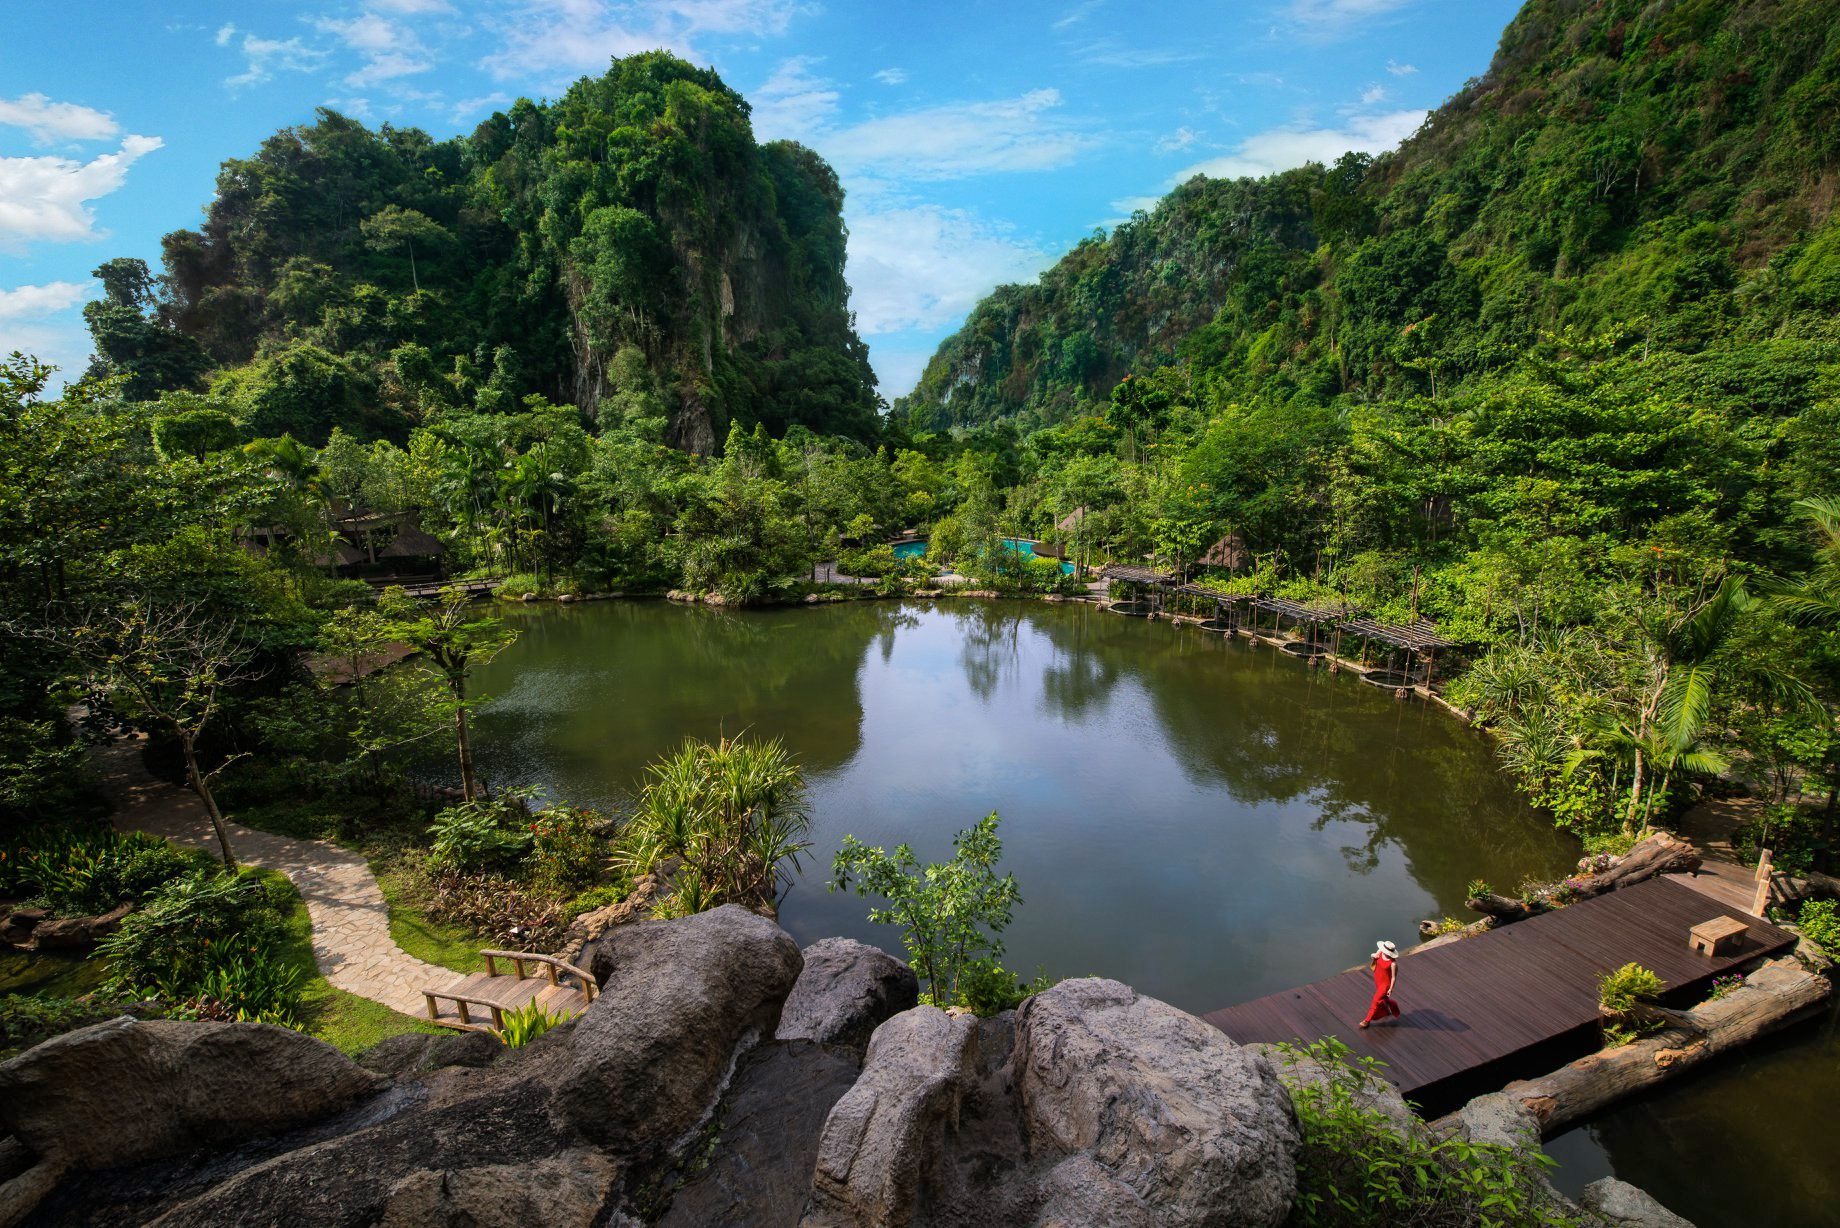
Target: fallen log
1777, 994
1658, 854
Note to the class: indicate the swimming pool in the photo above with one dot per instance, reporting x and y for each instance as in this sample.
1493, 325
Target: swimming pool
1021, 545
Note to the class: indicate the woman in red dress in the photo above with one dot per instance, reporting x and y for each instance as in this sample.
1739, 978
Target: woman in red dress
1384, 958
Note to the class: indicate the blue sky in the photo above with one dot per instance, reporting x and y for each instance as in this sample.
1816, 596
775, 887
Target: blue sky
977, 142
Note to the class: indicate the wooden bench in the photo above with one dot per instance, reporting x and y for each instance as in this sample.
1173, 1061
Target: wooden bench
1719, 936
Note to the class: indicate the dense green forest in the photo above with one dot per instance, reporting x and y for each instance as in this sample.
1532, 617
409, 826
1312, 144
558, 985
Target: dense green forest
1562, 373
628, 249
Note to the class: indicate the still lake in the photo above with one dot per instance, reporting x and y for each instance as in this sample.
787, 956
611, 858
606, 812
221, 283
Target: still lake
1204, 820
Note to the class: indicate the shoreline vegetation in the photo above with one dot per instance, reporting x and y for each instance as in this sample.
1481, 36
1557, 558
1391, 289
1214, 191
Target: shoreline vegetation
1559, 375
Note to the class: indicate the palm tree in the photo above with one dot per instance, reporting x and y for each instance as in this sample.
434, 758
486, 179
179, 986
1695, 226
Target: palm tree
1814, 600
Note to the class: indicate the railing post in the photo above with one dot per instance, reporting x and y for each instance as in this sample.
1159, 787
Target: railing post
433, 1013
491, 965
1763, 865
466, 1016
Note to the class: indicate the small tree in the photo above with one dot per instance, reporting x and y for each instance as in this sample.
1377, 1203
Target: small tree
167, 666
950, 913
451, 642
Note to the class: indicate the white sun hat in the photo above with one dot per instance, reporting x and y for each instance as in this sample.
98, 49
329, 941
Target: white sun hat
1383, 947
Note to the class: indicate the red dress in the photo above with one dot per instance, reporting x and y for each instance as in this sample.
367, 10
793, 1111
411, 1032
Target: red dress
1383, 1005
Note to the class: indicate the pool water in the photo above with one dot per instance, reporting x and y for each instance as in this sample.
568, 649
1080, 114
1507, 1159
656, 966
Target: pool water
1021, 545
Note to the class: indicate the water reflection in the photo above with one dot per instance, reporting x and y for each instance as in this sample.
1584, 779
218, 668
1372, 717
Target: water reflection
1207, 821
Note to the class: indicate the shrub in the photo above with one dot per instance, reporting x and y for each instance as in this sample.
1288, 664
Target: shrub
870, 561
1356, 1168
1478, 889
1619, 991
987, 988
1794, 835
86, 869
209, 940
950, 914
525, 1024
565, 853
1818, 922
478, 835
1448, 925
733, 811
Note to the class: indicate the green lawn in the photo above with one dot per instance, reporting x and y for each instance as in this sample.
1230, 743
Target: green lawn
344, 1020
434, 942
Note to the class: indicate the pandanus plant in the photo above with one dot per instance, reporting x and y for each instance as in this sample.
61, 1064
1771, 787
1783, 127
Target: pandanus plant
732, 812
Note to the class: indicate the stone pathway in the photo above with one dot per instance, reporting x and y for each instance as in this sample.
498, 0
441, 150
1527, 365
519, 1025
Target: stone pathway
351, 922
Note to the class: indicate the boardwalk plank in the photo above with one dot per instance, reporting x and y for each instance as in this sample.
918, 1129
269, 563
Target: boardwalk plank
1474, 1006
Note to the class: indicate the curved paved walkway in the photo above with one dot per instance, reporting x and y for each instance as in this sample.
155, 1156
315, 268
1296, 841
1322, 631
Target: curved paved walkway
351, 922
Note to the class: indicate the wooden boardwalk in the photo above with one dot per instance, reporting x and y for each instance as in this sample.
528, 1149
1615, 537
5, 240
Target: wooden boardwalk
1513, 1002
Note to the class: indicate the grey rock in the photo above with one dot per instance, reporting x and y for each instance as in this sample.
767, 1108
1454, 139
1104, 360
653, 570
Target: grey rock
883, 1140
1199, 1128
1080, 1192
1298, 1072
16, 929
846, 990
767, 1139
1626, 1206
415, 1053
78, 933
1500, 1119
126, 1090
568, 1190
648, 1059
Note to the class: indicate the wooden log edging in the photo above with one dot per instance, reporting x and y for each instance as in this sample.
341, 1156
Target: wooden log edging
1779, 993
1661, 853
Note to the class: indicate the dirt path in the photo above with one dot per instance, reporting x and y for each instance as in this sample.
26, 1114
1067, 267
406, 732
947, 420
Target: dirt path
351, 922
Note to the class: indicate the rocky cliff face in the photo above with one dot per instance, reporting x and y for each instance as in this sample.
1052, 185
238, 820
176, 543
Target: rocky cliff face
721, 1078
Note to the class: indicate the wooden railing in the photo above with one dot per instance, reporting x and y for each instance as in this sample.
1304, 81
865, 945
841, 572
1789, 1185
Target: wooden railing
461, 1003
552, 968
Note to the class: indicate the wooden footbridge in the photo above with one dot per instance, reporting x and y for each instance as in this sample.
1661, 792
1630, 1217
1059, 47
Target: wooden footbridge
1511, 1002
477, 1003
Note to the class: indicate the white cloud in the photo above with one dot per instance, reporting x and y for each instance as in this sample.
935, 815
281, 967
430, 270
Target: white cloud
36, 302
390, 51
466, 108
1334, 18
1400, 70
267, 56
1109, 53
1078, 13
950, 142
1373, 94
554, 40
412, 7
792, 102
49, 121
892, 76
1180, 139
225, 33
1128, 205
1280, 149
47, 197
924, 266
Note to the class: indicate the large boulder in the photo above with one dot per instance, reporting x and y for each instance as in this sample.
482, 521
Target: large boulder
846, 990
127, 1090
770, 1121
678, 1000
1623, 1205
1198, 1128
567, 1190
883, 1140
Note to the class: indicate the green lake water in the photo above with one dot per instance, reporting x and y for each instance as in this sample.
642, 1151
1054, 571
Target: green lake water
1207, 821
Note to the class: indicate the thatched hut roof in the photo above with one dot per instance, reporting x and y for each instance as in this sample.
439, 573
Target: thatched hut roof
412, 543
338, 554
1071, 521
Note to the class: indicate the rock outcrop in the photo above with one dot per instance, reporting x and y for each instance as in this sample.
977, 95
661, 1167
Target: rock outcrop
1624, 1206
124, 1091
845, 992
1197, 1128
885, 1137
678, 998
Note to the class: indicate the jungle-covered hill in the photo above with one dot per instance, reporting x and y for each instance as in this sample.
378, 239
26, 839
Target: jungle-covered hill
628, 248
1663, 168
